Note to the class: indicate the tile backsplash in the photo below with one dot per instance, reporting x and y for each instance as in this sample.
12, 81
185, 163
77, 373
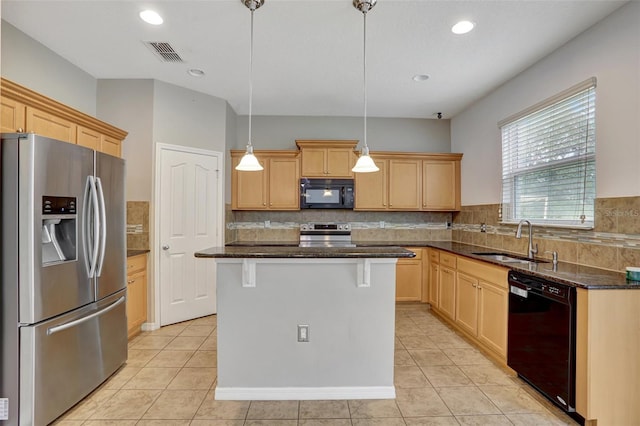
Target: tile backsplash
613, 244
138, 225
365, 226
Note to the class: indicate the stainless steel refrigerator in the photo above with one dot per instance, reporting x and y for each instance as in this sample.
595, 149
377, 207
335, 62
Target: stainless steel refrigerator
63, 269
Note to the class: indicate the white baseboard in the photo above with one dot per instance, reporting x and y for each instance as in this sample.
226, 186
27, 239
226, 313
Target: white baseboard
293, 394
149, 326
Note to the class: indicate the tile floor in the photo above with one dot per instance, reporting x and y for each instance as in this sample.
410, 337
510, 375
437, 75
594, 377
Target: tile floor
440, 380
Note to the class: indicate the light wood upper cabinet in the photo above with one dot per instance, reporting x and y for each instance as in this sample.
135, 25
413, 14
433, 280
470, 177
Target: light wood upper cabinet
396, 186
12, 115
110, 146
404, 184
87, 137
50, 125
327, 158
441, 185
277, 187
410, 182
409, 277
24, 110
371, 188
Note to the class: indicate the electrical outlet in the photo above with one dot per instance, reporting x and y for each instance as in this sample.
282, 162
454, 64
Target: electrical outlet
303, 333
382, 224
267, 224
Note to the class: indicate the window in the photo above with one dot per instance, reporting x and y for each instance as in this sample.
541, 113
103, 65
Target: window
548, 160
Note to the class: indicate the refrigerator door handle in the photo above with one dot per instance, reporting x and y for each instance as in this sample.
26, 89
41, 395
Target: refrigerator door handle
96, 228
103, 226
73, 323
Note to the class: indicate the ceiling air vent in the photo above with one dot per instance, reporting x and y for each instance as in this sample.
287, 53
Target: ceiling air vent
164, 51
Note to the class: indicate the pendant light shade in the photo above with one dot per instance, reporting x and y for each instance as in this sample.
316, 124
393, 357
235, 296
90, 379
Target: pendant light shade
365, 163
249, 162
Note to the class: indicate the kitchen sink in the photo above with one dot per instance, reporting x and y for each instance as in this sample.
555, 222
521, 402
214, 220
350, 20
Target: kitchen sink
507, 258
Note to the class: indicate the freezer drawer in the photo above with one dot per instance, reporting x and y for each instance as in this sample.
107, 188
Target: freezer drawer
62, 360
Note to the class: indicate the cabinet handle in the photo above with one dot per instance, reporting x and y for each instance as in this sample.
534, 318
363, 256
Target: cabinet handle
20, 130
473, 285
270, 204
131, 281
264, 204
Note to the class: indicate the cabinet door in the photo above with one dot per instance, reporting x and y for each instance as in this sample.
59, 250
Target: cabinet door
440, 185
284, 186
371, 188
447, 292
467, 303
136, 302
12, 116
89, 138
110, 146
49, 125
404, 184
314, 162
493, 303
434, 279
339, 162
250, 188
409, 278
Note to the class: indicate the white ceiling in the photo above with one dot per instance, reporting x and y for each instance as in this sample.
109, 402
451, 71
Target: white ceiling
308, 53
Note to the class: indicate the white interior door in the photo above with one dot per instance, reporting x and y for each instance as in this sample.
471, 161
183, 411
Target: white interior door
190, 220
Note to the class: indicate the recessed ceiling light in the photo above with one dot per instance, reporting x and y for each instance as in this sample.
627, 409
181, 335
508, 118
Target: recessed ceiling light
151, 17
420, 77
195, 72
462, 27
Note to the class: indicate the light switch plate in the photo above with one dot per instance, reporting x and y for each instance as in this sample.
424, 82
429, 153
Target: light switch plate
4, 408
303, 333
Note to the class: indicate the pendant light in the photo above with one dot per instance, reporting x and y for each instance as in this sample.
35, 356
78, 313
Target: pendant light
249, 162
365, 163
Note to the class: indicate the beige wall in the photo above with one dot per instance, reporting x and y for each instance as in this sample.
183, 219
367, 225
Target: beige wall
610, 51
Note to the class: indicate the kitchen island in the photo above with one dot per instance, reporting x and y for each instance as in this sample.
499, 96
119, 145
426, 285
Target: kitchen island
305, 323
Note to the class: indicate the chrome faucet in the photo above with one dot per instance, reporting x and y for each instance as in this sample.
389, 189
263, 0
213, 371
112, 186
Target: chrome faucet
532, 250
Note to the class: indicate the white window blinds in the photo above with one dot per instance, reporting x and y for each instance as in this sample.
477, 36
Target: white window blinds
548, 160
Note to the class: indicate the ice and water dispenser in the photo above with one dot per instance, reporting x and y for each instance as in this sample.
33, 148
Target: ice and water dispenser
59, 236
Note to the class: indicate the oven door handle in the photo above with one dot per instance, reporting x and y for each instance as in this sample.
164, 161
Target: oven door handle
78, 321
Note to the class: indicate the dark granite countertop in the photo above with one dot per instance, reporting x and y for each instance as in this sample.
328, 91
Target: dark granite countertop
289, 251
568, 273
131, 253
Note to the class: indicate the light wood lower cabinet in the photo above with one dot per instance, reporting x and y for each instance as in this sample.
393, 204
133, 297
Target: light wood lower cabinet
607, 348
409, 277
136, 293
447, 292
473, 296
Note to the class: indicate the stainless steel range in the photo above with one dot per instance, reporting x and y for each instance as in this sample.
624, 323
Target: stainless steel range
325, 235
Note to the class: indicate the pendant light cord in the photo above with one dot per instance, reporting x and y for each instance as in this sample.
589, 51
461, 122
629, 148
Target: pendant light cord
250, 77
364, 78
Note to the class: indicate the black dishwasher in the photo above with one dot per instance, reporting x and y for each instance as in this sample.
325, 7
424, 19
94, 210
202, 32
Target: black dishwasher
541, 337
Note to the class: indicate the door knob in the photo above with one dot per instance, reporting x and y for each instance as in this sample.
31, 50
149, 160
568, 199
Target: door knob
165, 247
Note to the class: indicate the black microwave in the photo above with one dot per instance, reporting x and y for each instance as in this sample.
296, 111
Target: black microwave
326, 194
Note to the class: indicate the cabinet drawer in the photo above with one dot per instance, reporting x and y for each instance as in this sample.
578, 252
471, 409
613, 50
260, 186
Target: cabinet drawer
136, 263
448, 259
434, 256
484, 271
